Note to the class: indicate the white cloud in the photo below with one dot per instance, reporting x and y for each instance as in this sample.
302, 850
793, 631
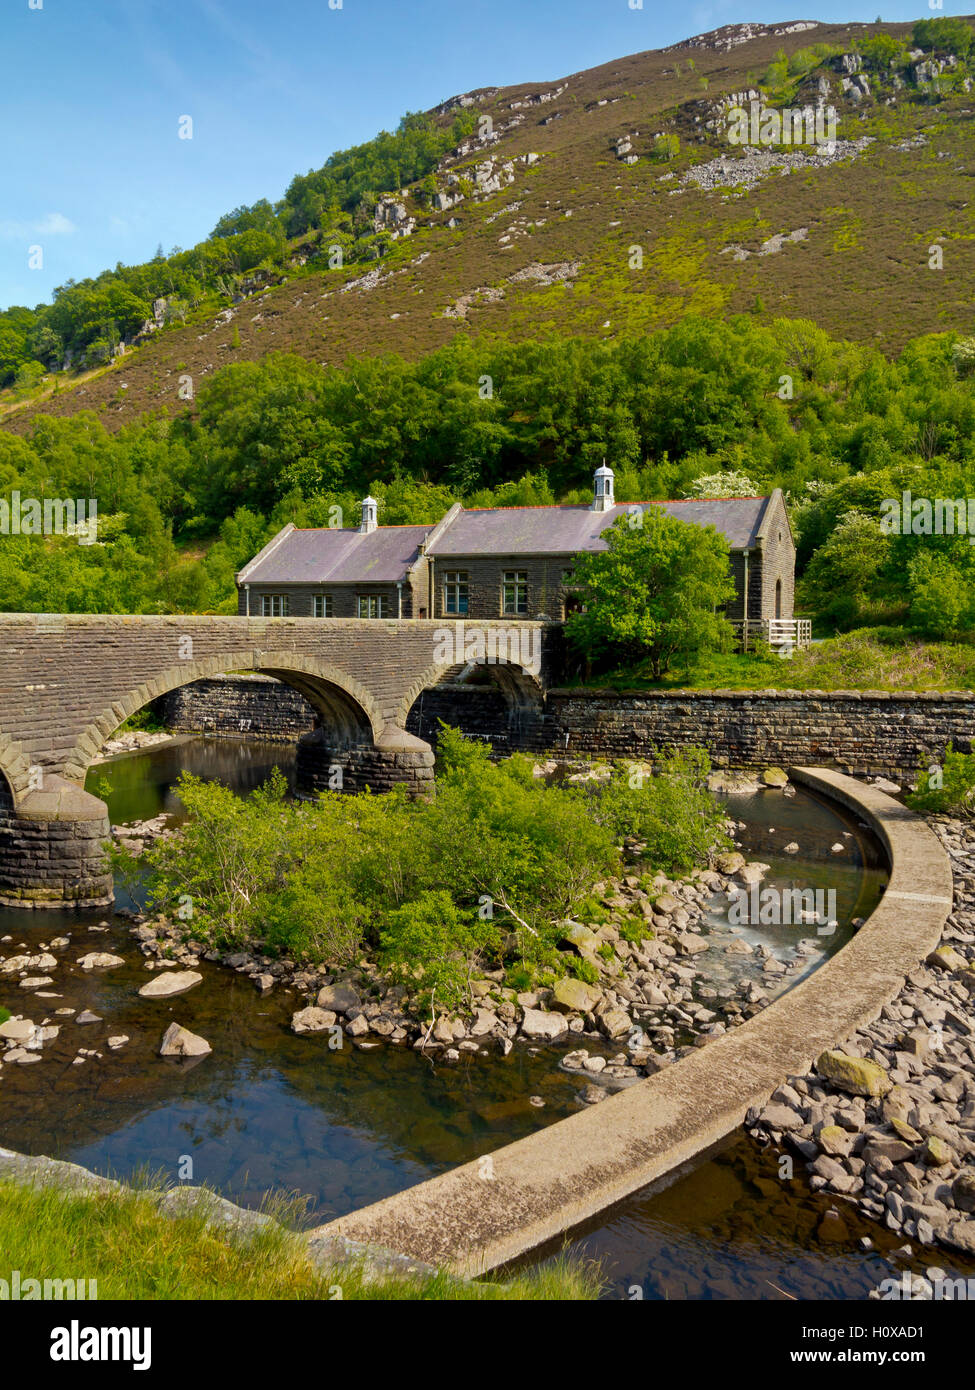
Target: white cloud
51, 224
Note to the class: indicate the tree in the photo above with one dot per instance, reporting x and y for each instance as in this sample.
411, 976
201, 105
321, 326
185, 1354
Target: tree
942, 601
843, 579
653, 593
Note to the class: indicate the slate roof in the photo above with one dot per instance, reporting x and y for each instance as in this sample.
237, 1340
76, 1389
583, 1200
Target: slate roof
325, 556
567, 530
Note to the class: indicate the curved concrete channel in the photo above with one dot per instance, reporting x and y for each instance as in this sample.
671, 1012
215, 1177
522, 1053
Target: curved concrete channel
485, 1213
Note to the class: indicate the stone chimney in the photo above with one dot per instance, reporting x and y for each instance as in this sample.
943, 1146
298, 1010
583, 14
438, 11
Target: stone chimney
369, 522
603, 499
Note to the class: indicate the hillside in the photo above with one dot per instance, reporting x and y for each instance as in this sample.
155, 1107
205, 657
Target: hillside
528, 225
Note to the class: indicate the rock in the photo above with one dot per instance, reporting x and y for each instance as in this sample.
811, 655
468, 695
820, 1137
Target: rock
536, 1024
312, 1020
357, 1026
484, 1022
690, 945
833, 1227
14, 964
790, 848
855, 1075
170, 982
573, 996
960, 1235
752, 873
117, 1041
592, 1095
180, 1042
35, 981
835, 1141
581, 937
947, 958
100, 960
615, 1022
729, 863
781, 1117
886, 1146
264, 983
341, 998
905, 1131
86, 1016
17, 1029
963, 1190
773, 777
738, 947
936, 1152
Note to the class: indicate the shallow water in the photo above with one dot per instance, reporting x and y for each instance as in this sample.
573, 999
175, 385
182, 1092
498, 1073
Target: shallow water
270, 1110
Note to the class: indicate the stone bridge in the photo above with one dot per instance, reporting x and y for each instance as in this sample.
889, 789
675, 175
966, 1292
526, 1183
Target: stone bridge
68, 681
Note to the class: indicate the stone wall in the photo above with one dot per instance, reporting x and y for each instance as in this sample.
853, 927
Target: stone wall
857, 731
237, 707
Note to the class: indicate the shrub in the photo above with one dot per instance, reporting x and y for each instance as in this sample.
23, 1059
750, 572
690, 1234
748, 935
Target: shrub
950, 787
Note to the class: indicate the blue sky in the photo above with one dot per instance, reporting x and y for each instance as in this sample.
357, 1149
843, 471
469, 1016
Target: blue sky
93, 170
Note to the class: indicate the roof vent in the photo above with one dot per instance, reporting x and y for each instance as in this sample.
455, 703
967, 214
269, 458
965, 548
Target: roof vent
603, 499
369, 509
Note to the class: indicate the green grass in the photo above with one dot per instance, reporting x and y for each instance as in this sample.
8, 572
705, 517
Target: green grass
135, 1252
869, 659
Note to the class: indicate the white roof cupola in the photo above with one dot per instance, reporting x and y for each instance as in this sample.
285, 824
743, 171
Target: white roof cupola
369, 510
603, 499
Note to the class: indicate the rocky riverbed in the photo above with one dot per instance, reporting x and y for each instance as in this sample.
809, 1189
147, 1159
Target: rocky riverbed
887, 1122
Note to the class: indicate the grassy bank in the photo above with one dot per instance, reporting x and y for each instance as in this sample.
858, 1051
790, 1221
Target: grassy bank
133, 1251
868, 659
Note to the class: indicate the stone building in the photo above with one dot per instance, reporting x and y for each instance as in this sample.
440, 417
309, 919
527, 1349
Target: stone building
500, 562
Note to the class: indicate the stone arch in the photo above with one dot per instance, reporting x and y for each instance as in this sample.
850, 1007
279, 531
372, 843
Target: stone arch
519, 686
15, 765
334, 694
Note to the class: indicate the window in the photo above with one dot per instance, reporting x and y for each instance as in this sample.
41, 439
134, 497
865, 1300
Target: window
323, 606
455, 591
275, 605
515, 591
373, 606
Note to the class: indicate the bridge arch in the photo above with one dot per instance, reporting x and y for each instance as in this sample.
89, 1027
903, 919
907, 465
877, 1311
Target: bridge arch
339, 698
520, 687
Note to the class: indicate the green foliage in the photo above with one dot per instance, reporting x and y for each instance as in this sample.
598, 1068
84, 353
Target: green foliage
434, 947
435, 887
949, 788
941, 595
583, 970
944, 35
653, 593
666, 146
672, 811
841, 583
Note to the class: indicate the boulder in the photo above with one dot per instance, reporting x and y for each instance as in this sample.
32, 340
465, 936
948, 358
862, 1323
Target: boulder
312, 1020
13, 964
99, 960
835, 1141
947, 958
16, 1029
536, 1024
180, 1042
170, 982
484, 1022
729, 863
855, 1075
773, 777
615, 1022
963, 1190
341, 998
572, 996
